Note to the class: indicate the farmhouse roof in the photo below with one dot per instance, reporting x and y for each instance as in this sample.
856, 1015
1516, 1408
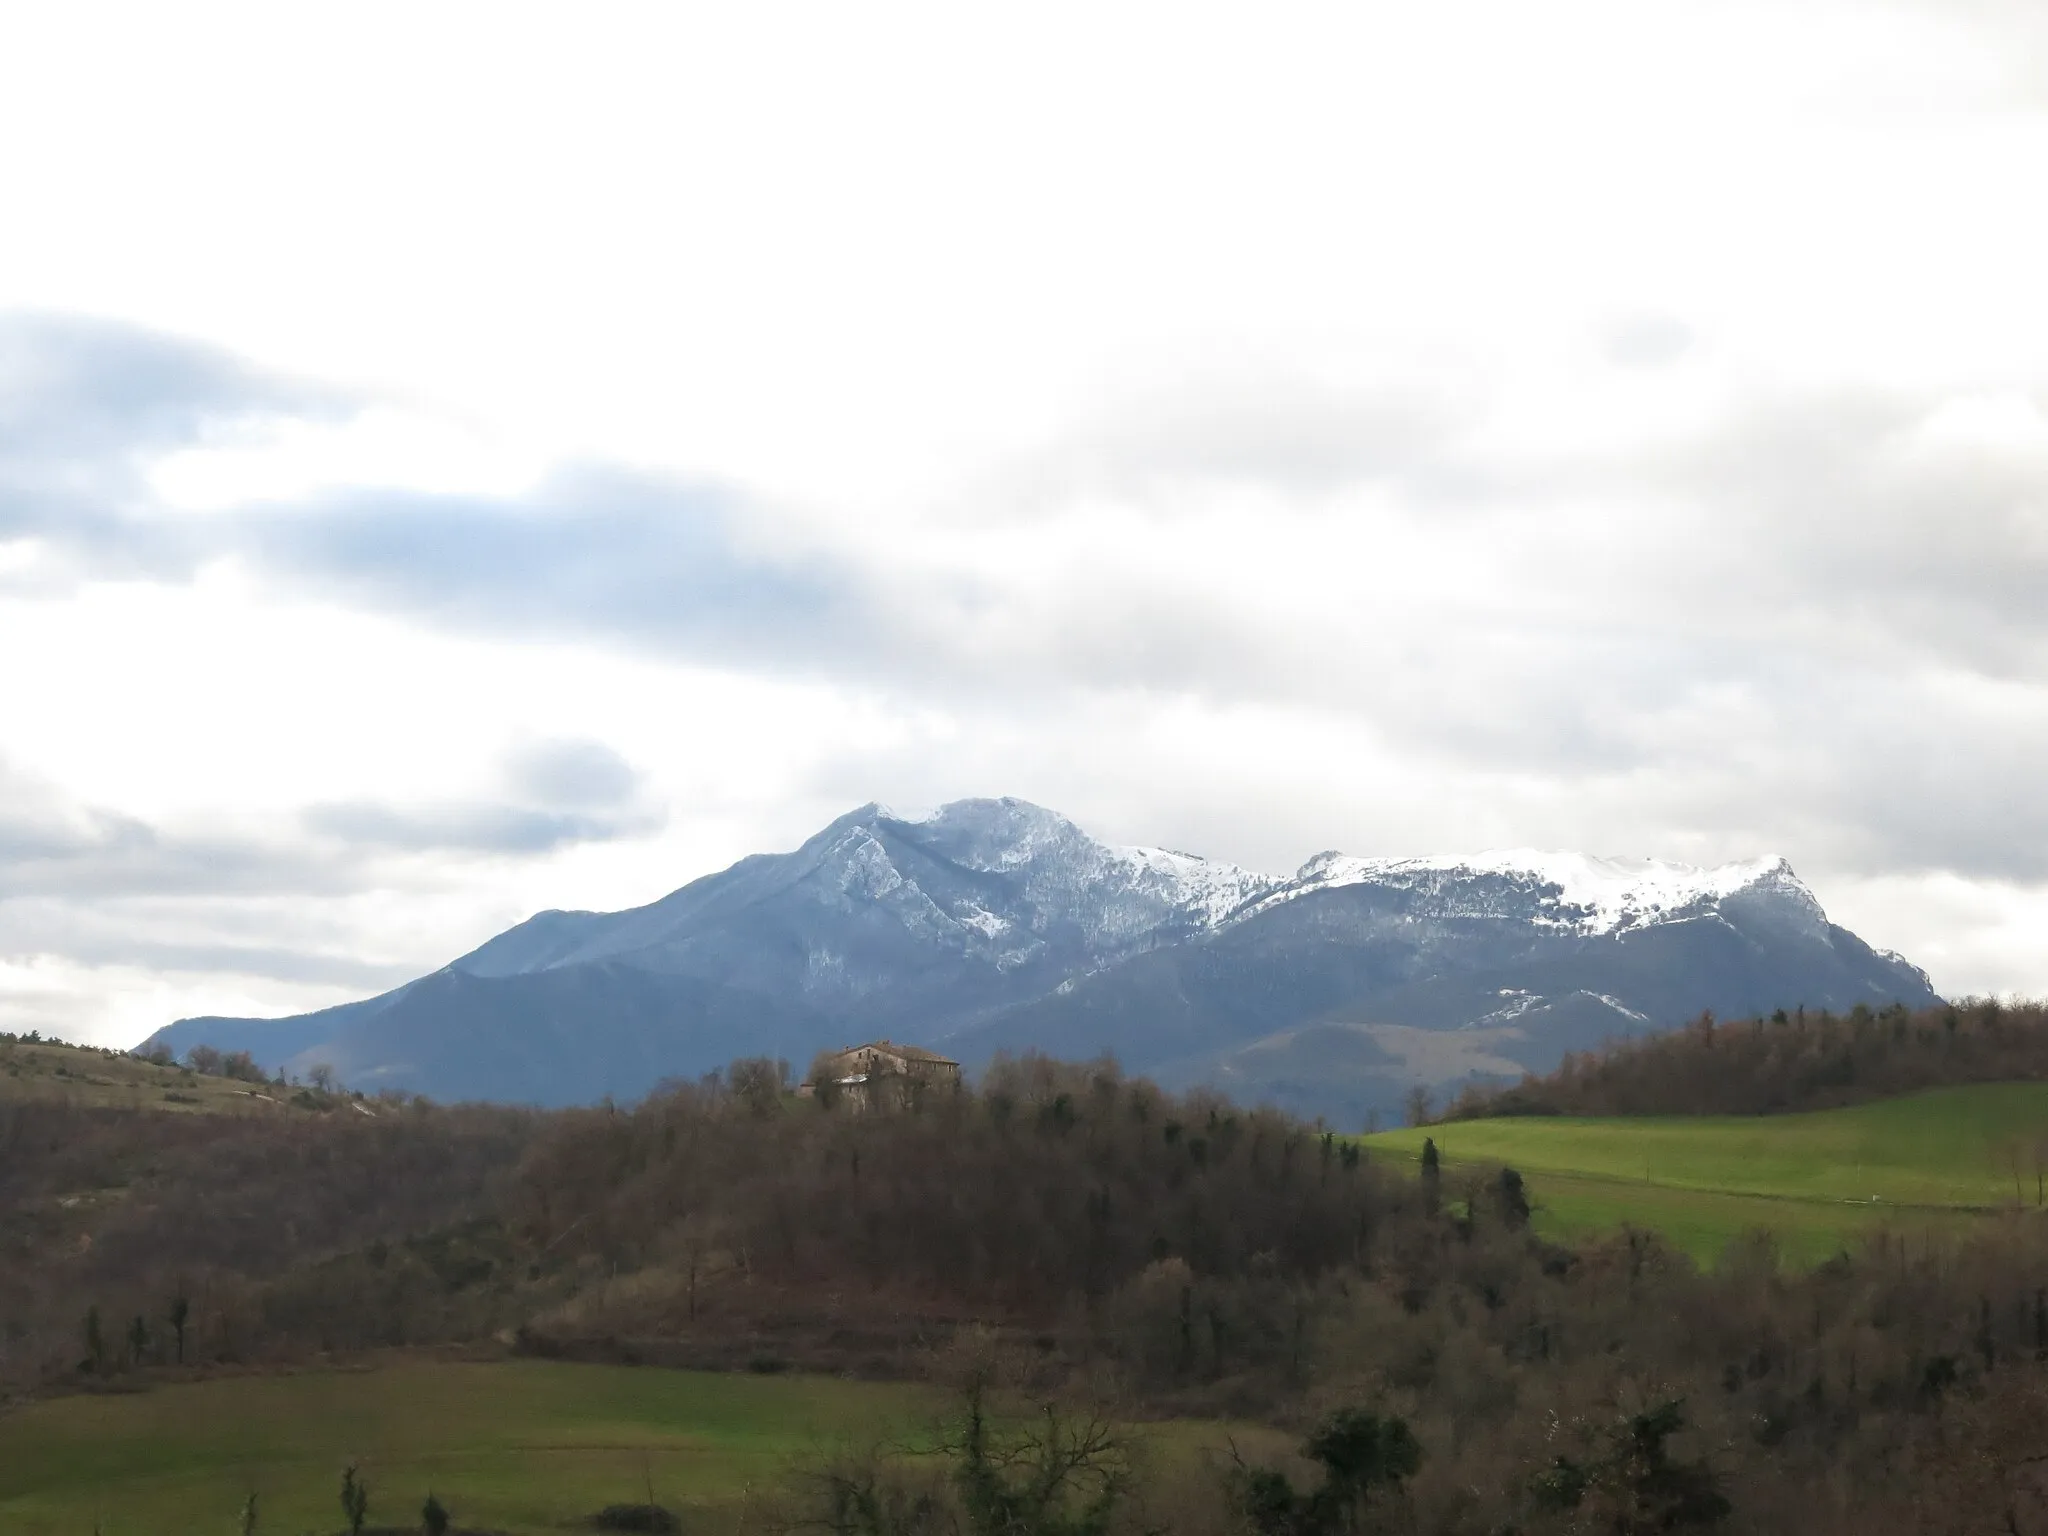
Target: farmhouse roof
907, 1052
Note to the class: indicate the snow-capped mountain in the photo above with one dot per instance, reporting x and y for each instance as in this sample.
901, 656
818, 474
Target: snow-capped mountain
984, 884
997, 924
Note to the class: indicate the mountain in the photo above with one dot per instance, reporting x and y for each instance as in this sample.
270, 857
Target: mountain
995, 925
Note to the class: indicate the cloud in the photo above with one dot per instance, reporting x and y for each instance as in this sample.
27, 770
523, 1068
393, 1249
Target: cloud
79, 391
87, 408
1407, 423
594, 551
89, 895
99, 889
87, 405
1646, 339
465, 828
581, 774
565, 791
1798, 619
50, 844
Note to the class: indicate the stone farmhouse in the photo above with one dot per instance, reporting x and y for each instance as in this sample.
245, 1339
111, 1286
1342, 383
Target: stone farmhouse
858, 1070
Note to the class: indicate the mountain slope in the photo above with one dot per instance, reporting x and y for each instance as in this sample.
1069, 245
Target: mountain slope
998, 925
1462, 972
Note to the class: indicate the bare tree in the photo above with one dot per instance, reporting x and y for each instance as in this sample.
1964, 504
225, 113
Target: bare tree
759, 1082
1418, 1104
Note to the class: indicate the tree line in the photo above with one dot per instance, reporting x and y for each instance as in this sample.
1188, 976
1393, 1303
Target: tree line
1792, 1060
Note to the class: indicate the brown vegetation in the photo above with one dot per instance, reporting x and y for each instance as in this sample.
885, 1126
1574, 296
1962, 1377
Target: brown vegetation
1097, 1234
224, 1238
1790, 1061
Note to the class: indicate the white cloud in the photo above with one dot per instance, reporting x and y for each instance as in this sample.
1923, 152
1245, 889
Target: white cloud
1607, 423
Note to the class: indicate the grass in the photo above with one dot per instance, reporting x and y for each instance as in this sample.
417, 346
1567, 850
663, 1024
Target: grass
523, 1447
1818, 1181
518, 1446
51, 1071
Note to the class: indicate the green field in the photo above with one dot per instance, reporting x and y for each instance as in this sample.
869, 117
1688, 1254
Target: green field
519, 1446
522, 1447
1818, 1181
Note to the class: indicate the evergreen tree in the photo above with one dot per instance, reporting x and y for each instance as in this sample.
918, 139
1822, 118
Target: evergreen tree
1513, 1198
1637, 1488
355, 1499
1360, 1453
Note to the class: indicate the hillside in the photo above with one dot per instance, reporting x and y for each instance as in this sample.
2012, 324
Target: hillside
1817, 1180
1079, 1231
52, 1072
995, 925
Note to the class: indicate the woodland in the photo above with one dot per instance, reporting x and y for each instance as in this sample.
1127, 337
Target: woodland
1790, 1061
1087, 1243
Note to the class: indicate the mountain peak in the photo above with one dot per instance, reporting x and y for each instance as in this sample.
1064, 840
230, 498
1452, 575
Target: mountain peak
994, 834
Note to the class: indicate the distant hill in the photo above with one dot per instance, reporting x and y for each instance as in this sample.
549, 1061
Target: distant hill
998, 925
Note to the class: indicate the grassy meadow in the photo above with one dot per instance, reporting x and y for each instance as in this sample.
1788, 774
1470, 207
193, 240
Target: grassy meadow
1817, 1180
49, 1071
521, 1447
516, 1446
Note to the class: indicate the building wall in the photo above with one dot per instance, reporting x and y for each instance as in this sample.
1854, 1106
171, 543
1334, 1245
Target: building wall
861, 1060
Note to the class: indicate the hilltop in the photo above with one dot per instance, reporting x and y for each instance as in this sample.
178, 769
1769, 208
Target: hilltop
35, 1070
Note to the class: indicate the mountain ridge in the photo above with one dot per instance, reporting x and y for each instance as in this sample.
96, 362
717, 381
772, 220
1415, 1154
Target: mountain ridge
990, 925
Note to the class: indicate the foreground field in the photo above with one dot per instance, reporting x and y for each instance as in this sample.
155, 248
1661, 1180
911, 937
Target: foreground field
1818, 1181
520, 1446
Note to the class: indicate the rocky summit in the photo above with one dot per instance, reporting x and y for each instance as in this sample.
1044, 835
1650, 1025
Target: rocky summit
997, 925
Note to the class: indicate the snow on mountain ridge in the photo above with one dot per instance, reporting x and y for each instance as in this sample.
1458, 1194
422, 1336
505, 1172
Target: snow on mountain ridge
1120, 893
1130, 890
1593, 895
1207, 889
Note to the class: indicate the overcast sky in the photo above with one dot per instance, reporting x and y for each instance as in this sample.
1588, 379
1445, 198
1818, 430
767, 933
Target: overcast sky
456, 461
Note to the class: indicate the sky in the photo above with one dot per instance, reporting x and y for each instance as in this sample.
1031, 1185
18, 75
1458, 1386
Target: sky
457, 461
